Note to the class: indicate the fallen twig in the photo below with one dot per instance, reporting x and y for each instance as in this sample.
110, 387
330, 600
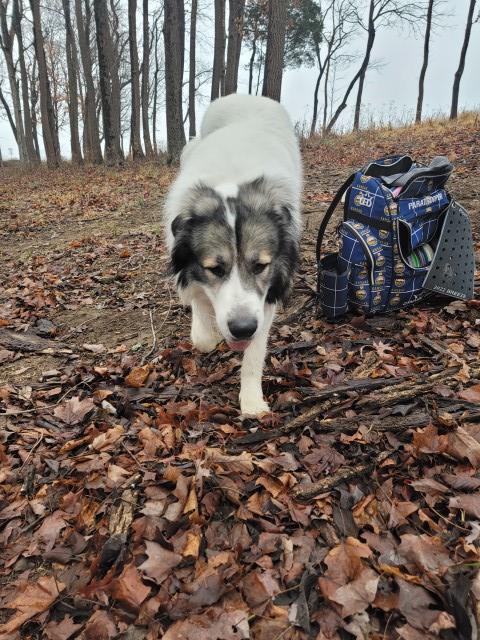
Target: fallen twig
313, 489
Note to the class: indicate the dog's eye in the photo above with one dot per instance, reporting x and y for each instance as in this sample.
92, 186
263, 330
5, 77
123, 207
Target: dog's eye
218, 271
259, 267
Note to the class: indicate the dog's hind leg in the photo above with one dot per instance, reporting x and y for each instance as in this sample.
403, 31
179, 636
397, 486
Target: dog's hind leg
251, 394
204, 334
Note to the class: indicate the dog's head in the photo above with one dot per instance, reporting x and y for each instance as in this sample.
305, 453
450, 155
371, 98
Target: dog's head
241, 251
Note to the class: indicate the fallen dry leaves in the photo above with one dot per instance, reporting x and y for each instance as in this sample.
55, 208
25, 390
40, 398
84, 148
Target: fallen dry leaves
134, 502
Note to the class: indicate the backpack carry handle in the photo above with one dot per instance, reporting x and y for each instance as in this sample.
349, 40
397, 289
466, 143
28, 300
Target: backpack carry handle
329, 213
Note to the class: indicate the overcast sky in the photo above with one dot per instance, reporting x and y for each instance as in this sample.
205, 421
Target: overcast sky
390, 92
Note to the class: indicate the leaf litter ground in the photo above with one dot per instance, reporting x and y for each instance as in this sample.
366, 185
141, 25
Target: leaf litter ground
134, 503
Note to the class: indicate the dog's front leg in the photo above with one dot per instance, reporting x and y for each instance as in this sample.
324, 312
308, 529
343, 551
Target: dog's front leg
204, 334
251, 394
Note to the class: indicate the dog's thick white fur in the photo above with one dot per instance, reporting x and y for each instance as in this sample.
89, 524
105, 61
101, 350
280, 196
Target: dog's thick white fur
242, 139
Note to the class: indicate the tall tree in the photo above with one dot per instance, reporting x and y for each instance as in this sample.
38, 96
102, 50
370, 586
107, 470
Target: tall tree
156, 73
277, 23
423, 71
114, 49
17, 16
380, 13
174, 41
461, 64
49, 125
34, 103
7, 37
234, 45
111, 134
72, 72
338, 14
218, 50
255, 21
93, 150
135, 142
192, 125
146, 82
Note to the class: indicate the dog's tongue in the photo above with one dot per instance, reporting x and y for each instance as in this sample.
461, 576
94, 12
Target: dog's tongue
241, 345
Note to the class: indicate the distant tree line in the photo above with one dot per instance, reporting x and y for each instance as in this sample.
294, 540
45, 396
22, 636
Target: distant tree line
106, 69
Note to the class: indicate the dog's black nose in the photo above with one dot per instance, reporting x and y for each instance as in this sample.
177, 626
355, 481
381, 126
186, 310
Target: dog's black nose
242, 328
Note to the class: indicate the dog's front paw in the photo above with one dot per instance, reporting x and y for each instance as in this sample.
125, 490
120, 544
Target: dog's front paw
204, 342
252, 406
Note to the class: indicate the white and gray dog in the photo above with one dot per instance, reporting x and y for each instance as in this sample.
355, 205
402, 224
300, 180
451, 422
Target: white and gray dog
233, 225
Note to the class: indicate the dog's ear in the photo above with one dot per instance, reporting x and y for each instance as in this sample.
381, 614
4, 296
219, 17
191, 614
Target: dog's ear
286, 263
180, 223
281, 215
181, 255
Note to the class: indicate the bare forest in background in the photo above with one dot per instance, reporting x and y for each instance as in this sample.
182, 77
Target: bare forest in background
109, 71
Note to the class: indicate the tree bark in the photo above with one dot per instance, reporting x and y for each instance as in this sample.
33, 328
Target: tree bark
250, 66
235, 34
321, 70
33, 105
192, 128
218, 50
423, 71
6, 44
113, 39
49, 125
174, 41
325, 98
273, 73
72, 86
113, 152
135, 141
146, 82
155, 88
461, 64
364, 67
32, 156
93, 149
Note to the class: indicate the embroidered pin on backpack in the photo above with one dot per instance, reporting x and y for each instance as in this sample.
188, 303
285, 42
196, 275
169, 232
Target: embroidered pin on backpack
402, 237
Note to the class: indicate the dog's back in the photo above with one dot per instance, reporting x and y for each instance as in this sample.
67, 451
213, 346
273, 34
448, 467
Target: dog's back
242, 138
238, 108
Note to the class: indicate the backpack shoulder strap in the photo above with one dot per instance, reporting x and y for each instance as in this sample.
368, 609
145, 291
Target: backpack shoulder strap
329, 213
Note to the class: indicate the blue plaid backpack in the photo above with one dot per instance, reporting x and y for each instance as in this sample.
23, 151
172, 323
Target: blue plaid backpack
402, 237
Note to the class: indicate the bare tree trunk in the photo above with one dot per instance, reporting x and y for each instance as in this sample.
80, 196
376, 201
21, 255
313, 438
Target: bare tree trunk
250, 66
235, 33
113, 152
273, 73
6, 44
325, 98
321, 70
174, 41
50, 138
113, 38
218, 49
461, 64
192, 131
361, 72
155, 89
32, 156
135, 141
364, 67
423, 71
33, 105
146, 82
10, 119
93, 149
72, 86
